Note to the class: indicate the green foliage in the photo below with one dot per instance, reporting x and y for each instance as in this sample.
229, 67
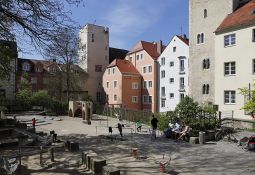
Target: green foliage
24, 98
59, 107
41, 98
249, 106
163, 122
187, 109
86, 97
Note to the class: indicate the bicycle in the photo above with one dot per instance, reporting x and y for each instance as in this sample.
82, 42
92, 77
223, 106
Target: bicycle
224, 132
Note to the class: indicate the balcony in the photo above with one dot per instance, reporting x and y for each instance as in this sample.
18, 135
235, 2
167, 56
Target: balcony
182, 71
182, 88
163, 96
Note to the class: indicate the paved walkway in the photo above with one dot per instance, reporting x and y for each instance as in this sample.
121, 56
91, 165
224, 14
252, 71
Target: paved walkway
211, 158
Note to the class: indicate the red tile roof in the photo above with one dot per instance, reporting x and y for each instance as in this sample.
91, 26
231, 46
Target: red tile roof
243, 16
124, 66
149, 47
184, 39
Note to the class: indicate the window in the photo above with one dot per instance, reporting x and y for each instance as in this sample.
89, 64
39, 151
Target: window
163, 103
253, 66
163, 59
182, 83
205, 13
134, 99
130, 59
145, 84
229, 40
38, 69
115, 97
174, 49
182, 96
137, 57
163, 74
150, 84
206, 89
113, 70
206, 63
171, 64
109, 71
107, 97
171, 80
200, 38
145, 99
171, 95
92, 37
229, 97
33, 80
98, 68
150, 99
182, 69
2, 93
115, 84
253, 35
150, 69
144, 70
230, 68
134, 85
163, 91
141, 56
107, 84
26, 67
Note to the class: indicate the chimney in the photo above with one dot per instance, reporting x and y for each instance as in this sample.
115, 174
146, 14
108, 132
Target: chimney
159, 46
184, 36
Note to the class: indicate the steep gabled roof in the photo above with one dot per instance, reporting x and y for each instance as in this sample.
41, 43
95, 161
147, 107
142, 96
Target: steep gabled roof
241, 17
124, 66
149, 47
184, 39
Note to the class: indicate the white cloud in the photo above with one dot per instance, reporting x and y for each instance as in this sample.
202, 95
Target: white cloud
131, 18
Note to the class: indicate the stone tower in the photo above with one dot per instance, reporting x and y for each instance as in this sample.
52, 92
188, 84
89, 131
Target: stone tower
94, 57
204, 18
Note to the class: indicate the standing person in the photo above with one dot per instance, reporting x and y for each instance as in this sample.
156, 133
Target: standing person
120, 129
33, 123
138, 126
154, 124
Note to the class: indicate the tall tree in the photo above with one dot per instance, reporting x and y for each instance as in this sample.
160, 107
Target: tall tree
39, 20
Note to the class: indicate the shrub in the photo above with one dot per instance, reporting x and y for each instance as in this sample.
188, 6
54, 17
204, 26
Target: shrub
41, 98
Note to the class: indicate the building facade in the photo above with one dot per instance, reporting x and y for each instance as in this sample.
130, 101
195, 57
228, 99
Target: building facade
144, 58
122, 85
173, 73
235, 59
94, 58
8, 54
51, 76
204, 18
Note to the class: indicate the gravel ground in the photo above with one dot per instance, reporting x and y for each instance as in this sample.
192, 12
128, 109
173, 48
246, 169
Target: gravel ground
211, 158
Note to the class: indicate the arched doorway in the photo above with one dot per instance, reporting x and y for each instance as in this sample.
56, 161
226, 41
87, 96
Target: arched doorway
78, 113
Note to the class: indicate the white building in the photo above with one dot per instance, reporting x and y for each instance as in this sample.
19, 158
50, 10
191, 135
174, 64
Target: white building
235, 59
173, 73
94, 57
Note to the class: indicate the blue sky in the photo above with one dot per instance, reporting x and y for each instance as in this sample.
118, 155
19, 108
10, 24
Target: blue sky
130, 21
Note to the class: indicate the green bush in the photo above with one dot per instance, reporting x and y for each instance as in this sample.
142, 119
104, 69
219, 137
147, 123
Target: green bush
163, 122
58, 107
41, 98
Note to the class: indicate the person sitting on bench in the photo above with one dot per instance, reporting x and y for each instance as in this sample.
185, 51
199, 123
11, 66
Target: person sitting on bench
185, 131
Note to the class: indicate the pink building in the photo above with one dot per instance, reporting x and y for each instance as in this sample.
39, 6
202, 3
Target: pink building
122, 85
144, 58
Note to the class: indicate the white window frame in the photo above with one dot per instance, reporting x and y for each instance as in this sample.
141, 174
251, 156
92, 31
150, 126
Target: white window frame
115, 95
145, 99
171, 81
149, 69
253, 66
170, 95
107, 84
137, 57
163, 61
253, 35
115, 85
230, 40
163, 89
141, 56
113, 70
134, 99
149, 99
144, 69
174, 49
145, 85
182, 65
229, 97
163, 103
134, 85
163, 74
228, 68
150, 84
171, 64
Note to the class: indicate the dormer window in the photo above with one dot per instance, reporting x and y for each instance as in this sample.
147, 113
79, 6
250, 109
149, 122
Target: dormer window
26, 67
205, 13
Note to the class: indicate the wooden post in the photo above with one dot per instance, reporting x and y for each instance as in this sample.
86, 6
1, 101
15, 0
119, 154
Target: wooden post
41, 155
52, 154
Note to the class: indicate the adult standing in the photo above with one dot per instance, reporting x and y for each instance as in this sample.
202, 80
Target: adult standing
120, 128
154, 125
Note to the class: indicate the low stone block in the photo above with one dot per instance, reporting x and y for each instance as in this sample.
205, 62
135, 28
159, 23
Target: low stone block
88, 159
194, 140
97, 164
110, 170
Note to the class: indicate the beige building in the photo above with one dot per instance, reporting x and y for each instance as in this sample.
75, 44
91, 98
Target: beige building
94, 57
235, 59
144, 57
205, 16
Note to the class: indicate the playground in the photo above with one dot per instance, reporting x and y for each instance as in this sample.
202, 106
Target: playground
182, 158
